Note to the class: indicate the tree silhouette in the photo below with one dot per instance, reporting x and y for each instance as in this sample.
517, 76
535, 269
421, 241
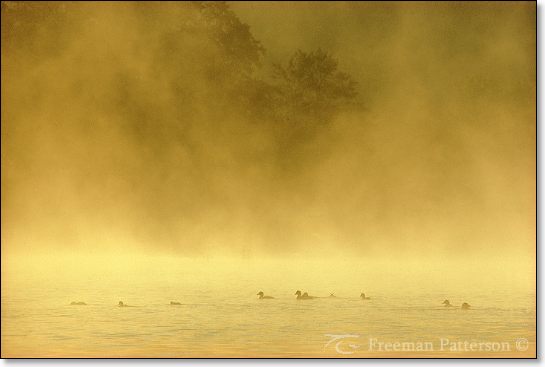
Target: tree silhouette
311, 85
241, 52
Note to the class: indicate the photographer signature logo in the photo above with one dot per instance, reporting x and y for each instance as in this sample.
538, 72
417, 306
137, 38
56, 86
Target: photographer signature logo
346, 344
342, 343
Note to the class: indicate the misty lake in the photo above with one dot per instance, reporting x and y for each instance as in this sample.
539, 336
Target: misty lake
201, 152
221, 316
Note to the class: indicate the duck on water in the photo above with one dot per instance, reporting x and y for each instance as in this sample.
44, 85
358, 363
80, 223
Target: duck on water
263, 296
303, 296
447, 303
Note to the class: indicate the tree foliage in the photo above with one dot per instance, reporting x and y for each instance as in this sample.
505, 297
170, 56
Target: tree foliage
311, 85
241, 51
194, 59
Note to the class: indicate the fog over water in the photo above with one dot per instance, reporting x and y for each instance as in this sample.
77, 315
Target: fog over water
390, 145
114, 130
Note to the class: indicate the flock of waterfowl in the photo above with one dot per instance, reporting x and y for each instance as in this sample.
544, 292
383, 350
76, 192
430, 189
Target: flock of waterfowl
306, 296
300, 296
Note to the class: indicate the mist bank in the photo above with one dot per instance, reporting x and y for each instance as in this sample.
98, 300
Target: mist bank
198, 130
341, 275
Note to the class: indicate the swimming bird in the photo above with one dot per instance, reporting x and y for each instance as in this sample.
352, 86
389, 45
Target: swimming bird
263, 296
172, 303
333, 296
78, 303
121, 304
465, 306
303, 296
363, 297
447, 303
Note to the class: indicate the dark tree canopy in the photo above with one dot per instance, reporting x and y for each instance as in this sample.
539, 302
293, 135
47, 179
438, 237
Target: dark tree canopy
205, 64
241, 51
311, 84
